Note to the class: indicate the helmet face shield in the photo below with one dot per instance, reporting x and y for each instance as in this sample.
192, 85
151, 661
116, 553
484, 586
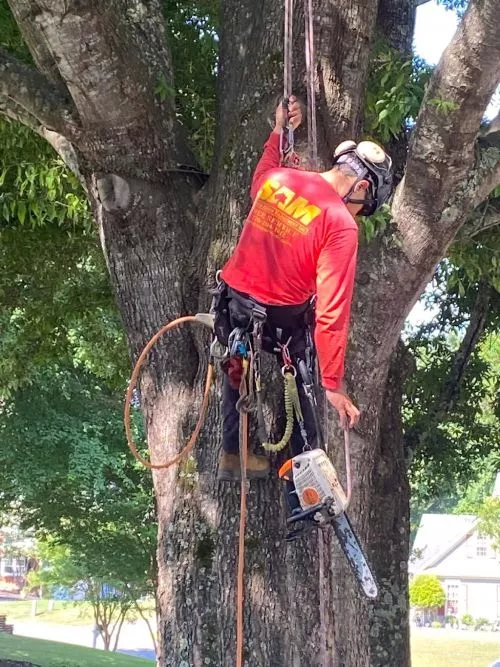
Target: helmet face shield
370, 162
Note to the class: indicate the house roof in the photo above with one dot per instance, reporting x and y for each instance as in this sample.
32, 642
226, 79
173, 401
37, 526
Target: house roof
437, 535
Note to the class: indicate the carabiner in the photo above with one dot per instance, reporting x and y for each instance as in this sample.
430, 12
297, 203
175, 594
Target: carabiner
285, 354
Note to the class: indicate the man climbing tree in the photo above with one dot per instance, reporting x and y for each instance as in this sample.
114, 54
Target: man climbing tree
300, 239
100, 85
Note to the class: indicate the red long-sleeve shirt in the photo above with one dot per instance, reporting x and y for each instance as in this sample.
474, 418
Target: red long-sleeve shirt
299, 239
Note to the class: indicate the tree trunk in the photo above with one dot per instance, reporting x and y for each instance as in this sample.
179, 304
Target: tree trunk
164, 232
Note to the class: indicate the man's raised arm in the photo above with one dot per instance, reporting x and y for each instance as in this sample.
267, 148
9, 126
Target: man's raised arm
271, 156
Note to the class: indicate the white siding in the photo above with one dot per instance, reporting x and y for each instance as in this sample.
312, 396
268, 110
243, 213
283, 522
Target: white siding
464, 562
482, 599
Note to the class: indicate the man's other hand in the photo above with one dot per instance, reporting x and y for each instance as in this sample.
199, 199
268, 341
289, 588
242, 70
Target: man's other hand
294, 114
348, 412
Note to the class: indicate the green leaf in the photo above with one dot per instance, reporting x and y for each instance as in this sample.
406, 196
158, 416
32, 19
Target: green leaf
383, 114
21, 211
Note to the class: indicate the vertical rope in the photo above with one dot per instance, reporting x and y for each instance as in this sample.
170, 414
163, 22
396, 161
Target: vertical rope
312, 138
242, 406
240, 590
287, 60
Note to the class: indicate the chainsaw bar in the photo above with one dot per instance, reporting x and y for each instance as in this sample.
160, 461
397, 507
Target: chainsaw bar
354, 554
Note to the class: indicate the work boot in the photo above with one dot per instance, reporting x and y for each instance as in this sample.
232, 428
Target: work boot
229, 467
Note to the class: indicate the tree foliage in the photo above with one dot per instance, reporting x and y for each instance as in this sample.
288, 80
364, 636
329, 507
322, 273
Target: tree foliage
112, 591
65, 470
193, 36
451, 409
394, 94
489, 515
426, 592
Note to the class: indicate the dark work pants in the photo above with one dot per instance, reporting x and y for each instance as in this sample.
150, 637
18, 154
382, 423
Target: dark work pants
289, 323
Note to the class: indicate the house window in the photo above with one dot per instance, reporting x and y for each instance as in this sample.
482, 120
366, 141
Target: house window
452, 593
7, 566
481, 546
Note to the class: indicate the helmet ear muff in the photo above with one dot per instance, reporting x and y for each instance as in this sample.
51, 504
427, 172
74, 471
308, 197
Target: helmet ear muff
344, 147
371, 152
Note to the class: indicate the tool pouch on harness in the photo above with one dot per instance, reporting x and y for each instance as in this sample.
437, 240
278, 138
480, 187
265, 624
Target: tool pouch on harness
220, 308
233, 311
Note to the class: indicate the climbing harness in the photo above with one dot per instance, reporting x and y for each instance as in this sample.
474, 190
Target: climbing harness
314, 494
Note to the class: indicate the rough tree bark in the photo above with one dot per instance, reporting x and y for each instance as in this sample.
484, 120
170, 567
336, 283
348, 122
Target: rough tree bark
98, 65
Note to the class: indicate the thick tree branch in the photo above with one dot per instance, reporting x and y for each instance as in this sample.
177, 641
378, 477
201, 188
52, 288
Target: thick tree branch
26, 13
28, 93
487, 175
114, 60
442, 151
488, 162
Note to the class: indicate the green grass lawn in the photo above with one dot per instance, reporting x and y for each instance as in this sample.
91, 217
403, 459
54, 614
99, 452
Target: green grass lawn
426, 651
443, 652
52, 654
63, 613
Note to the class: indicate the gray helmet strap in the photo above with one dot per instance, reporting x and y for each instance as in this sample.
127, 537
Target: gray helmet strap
347, 197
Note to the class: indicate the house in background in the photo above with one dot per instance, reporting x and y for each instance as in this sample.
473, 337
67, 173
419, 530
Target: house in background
451, 547
16, 559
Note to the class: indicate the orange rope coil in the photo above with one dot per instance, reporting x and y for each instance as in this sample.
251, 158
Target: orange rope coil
133, 383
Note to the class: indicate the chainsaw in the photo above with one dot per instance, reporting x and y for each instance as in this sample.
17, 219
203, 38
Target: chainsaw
317, 500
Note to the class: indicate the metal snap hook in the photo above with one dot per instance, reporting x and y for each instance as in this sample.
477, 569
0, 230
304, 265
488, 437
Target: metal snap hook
288, 368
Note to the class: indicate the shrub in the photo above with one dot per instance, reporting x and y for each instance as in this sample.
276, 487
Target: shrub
481, 623
467, 620
426, 592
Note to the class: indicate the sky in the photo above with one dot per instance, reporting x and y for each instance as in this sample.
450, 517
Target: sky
434, 29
